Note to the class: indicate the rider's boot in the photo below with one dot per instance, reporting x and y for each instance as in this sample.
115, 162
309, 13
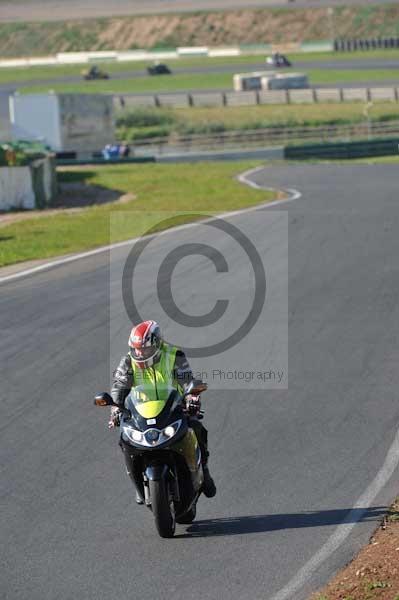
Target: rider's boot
208, 486
139, 499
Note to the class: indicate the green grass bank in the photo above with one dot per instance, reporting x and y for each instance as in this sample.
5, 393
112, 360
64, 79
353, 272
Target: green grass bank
243, 27
161, 189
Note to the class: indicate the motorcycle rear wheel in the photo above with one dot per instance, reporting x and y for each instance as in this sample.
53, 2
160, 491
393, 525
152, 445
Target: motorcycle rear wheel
162, 508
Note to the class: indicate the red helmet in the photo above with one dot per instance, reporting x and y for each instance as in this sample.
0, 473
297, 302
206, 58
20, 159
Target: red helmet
145, 344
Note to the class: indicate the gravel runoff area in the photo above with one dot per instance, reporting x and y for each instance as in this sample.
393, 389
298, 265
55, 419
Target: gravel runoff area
374, 572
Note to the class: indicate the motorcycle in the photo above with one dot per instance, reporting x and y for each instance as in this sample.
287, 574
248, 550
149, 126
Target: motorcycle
94, 73
162, 453
278, 60
159, 69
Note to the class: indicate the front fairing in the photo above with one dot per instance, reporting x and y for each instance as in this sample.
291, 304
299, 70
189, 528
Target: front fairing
149, 413
170, 412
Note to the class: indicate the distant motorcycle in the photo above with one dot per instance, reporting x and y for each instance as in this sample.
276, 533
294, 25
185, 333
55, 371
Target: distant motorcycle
94, 73
278, 60
159, 69
165, 456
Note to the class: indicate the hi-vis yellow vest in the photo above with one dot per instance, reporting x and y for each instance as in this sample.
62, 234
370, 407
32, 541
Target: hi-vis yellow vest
154, 383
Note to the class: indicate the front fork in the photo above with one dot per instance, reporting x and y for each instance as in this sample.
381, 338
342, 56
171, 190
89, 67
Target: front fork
155, 472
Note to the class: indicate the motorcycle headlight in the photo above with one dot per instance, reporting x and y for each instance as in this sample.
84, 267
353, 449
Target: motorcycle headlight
171, 430
134, 435
137, 435
152, 437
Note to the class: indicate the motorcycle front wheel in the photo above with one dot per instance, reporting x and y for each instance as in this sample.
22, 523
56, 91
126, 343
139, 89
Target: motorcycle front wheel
188, 517
162, 508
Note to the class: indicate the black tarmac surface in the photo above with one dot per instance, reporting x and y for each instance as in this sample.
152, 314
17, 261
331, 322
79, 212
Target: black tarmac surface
289, 464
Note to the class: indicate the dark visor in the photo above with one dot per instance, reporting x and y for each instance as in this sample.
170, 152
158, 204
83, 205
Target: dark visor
143, 353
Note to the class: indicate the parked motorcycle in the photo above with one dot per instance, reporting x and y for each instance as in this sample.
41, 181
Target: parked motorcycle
162, 453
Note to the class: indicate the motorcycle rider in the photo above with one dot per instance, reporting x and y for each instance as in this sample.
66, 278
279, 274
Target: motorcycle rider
148, 362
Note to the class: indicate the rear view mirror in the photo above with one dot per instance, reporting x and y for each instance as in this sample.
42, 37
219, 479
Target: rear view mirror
103, 399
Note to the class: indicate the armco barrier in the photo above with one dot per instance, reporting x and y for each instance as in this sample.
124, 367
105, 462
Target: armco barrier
344, 150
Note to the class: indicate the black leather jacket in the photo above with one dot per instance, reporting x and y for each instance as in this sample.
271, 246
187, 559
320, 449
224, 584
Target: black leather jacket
123, 379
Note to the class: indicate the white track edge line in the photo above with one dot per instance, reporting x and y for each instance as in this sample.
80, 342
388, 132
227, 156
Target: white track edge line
242, 178
343, 530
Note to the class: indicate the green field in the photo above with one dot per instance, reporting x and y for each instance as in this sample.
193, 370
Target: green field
205, 187
208, 81
145, 123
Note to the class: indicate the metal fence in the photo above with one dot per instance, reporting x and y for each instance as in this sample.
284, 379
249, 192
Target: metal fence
271, 136
252, 98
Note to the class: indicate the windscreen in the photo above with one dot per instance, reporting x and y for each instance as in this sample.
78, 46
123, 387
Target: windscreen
148, 400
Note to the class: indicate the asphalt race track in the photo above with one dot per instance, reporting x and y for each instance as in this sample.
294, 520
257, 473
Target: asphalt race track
289, 464
53, 10
354, 64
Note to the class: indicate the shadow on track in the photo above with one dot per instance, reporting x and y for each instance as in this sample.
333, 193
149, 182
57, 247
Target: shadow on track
264, 523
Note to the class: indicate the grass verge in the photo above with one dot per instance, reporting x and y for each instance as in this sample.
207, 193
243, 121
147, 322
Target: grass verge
207, 187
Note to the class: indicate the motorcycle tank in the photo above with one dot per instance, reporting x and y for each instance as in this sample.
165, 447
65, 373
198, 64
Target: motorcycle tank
149, 401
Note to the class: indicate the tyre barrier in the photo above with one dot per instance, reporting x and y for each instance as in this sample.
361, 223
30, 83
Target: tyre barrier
354, 44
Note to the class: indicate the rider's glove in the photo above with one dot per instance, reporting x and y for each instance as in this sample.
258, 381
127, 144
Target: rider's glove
193, 404
114, 417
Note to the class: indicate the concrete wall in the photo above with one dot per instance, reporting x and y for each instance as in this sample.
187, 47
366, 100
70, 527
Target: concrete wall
87, 122
64, 122
36, 117
5, 125
44, 180
16, 189
34, 186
